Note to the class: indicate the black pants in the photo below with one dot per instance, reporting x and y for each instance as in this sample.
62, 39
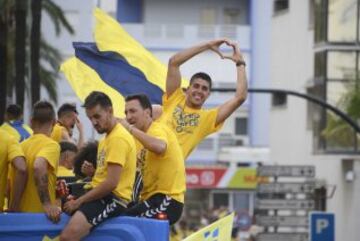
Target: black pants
157, 205
100, 210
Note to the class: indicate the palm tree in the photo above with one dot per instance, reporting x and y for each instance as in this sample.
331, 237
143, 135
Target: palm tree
15, 68
35, 50
20, 50
40, 74
3, 56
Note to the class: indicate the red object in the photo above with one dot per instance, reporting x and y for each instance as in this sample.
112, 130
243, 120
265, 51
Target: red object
61, 188
161, 216
203, 177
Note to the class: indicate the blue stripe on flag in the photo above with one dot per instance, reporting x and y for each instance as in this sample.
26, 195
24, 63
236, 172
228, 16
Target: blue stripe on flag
115, 71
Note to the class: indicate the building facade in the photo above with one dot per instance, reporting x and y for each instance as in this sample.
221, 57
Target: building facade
313, 50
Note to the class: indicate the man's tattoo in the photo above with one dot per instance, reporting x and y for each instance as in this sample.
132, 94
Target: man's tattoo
42, 183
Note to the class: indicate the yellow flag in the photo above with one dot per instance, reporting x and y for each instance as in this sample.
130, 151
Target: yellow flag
46, 238
111, 36
84, 80
131, 70
217, 231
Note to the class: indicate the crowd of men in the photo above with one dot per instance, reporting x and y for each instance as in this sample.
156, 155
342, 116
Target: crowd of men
136, 169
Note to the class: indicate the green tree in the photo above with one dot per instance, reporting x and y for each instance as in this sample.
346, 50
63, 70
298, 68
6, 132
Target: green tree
337, 132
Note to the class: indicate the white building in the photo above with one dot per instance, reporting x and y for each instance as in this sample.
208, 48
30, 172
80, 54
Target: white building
298, 42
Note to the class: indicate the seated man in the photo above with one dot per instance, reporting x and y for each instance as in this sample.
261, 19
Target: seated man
11, 153
14, 124
114, 176
161, 160
42, 156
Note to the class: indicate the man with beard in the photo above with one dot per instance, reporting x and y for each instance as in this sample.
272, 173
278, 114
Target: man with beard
111, 185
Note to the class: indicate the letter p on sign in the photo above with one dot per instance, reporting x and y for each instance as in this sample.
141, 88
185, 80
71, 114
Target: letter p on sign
322, 226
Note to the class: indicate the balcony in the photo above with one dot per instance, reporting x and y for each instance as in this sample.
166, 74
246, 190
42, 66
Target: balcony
177, 36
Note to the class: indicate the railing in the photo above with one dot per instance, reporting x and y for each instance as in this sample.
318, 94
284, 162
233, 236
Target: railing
179, 36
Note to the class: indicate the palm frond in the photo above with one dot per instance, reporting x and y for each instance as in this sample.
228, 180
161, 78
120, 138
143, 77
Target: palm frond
57, 16
48, 80
50, 54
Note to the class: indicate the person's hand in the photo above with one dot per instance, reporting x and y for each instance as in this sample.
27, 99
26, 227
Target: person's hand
71, 206
52, 212
88, 169
61, 188
214, 45
79, 125
236, 55
123, 122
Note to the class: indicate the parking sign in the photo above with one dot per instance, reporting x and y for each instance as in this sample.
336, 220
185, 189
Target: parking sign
322, 226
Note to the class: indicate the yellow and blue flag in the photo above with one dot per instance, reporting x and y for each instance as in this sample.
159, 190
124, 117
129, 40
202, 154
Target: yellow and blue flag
217, 231
115, 64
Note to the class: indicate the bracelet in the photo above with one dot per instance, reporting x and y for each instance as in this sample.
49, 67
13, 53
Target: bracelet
240, 62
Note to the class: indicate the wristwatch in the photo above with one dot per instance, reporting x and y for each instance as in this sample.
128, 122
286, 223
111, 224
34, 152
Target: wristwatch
240, 62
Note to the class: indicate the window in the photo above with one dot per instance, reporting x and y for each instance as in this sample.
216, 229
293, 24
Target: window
241, 126
279, 99
220, 199
235, 200
281, 5
320, 20
336, 72
342, 21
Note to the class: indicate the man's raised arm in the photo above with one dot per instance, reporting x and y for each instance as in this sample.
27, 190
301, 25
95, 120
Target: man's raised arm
173, 78
226, 109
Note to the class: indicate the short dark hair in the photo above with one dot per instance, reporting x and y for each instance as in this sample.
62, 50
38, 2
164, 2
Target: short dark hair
67, 146
201, 75
97, 98
43, 112
88, 153
14, 111
143, 100
66, 108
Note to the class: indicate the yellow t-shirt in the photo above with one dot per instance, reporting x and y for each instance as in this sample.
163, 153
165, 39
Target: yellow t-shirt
64, 172
117, 147
164, 173
57, 131
39, 145
13, 132
191, 126
9, 149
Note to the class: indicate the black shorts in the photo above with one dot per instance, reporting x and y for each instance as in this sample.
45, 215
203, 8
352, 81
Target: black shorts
157, 205
102, 209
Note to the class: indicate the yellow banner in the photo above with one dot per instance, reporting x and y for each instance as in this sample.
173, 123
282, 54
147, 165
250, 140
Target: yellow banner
217, 231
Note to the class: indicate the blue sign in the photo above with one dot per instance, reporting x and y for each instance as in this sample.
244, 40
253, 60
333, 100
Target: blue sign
322, 226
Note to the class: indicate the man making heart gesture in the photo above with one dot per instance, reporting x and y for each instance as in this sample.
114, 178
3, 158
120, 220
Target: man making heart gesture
183, 109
